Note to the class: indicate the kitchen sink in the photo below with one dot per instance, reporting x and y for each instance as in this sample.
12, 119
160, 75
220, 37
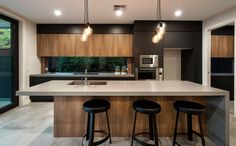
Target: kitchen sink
82, 73
81, 82
97, 82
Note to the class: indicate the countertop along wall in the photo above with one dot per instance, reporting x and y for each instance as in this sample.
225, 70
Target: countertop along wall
29, 63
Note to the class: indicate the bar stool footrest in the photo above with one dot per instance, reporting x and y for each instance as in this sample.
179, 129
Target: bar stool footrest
100, 141
142, 142
198, 134
194, 132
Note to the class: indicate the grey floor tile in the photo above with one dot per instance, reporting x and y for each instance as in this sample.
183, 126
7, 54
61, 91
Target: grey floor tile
32, 125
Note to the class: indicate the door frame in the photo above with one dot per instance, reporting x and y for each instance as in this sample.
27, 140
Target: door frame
206, 55
15, 49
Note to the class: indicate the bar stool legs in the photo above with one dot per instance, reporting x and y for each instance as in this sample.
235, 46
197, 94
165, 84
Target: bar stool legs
156, 140
91, 129
133, 129
88, 122
151, 127
108, 126
201, 131
152, 131
93, 107
176, 127
189, 127
189, 124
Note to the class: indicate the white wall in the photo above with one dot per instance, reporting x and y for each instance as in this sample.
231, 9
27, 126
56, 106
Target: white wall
172, 65
29, 63
217, 21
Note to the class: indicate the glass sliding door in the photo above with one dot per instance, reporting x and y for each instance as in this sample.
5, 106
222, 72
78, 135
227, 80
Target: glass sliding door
8, 63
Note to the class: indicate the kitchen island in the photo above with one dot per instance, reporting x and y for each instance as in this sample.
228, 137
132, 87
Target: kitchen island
70, 119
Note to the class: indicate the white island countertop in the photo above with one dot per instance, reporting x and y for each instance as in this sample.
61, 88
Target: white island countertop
123, 88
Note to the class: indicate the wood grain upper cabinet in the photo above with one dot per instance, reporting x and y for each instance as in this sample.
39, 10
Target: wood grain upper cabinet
107, 45
116, 45
60, 45
222, 46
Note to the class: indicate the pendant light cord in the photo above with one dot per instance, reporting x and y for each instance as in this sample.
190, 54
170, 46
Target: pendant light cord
86, 13
160, 9
158, 12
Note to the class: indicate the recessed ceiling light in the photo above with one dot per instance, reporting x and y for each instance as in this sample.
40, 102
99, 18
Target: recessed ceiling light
57, 12
119, 9
178, 13
119, 12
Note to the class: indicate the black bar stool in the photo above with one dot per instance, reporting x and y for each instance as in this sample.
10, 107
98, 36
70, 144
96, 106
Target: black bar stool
190, 108
92, 107
151, 108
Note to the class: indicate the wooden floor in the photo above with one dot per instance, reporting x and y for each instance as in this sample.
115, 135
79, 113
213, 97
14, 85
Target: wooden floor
32, 125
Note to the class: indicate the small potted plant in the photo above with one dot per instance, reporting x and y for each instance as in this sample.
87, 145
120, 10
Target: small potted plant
117, 70
123, 70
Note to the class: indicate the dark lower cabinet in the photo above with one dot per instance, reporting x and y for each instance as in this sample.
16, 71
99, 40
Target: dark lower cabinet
225, 83
38, 80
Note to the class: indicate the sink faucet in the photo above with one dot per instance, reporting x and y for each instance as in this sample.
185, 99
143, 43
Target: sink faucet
85, 77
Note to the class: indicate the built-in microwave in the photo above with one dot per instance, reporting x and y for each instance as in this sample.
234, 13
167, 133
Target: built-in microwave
148, 61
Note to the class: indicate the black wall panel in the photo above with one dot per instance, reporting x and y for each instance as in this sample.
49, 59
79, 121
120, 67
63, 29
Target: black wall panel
179, 34
143, 46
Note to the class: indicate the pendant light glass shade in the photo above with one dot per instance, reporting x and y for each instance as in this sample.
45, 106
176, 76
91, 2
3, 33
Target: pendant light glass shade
157, 37
88, 31
160, 29
84, 37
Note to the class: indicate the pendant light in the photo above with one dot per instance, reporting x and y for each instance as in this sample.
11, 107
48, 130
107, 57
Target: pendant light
160, 29
87, 30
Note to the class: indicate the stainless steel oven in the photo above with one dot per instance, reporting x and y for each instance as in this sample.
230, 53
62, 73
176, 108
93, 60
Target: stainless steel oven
149, 74
149, 61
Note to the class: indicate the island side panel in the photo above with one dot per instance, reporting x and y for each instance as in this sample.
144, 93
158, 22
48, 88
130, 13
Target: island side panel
70, 120
218, 119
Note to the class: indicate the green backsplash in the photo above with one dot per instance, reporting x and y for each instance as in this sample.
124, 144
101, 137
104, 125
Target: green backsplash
78, 64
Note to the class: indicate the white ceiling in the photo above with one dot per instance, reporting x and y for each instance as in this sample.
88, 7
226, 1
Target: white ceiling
101, 11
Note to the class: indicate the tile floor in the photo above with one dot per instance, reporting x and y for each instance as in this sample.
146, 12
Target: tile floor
32, 125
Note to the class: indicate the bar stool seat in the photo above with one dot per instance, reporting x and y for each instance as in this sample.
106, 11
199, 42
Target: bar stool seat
146, 107
92, 107
190, 108
187, 106
96, 106
151, 108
